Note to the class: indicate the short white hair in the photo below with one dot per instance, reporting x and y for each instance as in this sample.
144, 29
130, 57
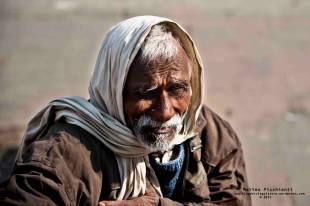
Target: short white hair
160, 42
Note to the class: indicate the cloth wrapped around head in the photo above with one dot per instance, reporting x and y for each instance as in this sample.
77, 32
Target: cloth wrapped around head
103, 114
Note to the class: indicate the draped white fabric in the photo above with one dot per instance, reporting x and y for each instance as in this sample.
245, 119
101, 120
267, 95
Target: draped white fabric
103, 115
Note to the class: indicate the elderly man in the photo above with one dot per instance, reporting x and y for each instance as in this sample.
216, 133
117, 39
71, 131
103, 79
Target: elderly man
143, 137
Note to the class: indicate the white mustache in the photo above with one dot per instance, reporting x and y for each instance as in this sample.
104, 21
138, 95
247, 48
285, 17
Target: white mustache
147, 121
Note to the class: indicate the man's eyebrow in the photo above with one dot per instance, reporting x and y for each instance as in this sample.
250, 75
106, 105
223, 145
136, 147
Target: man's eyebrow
150, 88
145, 87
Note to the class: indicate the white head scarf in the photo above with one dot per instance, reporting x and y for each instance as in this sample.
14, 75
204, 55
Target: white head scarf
103, 115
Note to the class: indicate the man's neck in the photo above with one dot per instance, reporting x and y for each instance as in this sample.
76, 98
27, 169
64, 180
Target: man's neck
167, 156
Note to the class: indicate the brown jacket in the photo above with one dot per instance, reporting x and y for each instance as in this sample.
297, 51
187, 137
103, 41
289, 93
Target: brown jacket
70, 167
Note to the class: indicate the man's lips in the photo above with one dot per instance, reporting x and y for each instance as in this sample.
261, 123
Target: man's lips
160, 130
163, 130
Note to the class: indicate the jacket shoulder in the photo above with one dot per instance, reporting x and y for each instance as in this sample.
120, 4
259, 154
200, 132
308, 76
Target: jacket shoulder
70, 156
218, 137
62, 141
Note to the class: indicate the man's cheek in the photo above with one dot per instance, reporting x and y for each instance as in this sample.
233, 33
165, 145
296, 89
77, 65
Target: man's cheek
130, 113
139, 108
184, 105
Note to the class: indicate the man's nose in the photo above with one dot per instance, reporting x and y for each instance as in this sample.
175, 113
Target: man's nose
163, 110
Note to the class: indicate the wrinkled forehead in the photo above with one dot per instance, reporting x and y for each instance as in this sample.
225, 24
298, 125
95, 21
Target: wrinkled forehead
157, 72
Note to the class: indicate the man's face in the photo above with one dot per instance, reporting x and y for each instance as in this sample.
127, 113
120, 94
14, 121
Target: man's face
156, 96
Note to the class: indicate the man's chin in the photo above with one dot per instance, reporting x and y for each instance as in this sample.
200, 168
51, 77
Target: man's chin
156, 142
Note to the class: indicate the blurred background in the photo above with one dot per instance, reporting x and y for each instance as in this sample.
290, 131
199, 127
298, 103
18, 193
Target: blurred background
256, 54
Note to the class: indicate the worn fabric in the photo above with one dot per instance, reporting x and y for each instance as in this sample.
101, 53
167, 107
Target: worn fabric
168, 173
67, 166
103, 115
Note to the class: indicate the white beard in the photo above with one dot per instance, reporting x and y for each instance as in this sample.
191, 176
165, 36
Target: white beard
157, 142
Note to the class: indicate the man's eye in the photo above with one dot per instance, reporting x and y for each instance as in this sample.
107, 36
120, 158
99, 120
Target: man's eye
178, 89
